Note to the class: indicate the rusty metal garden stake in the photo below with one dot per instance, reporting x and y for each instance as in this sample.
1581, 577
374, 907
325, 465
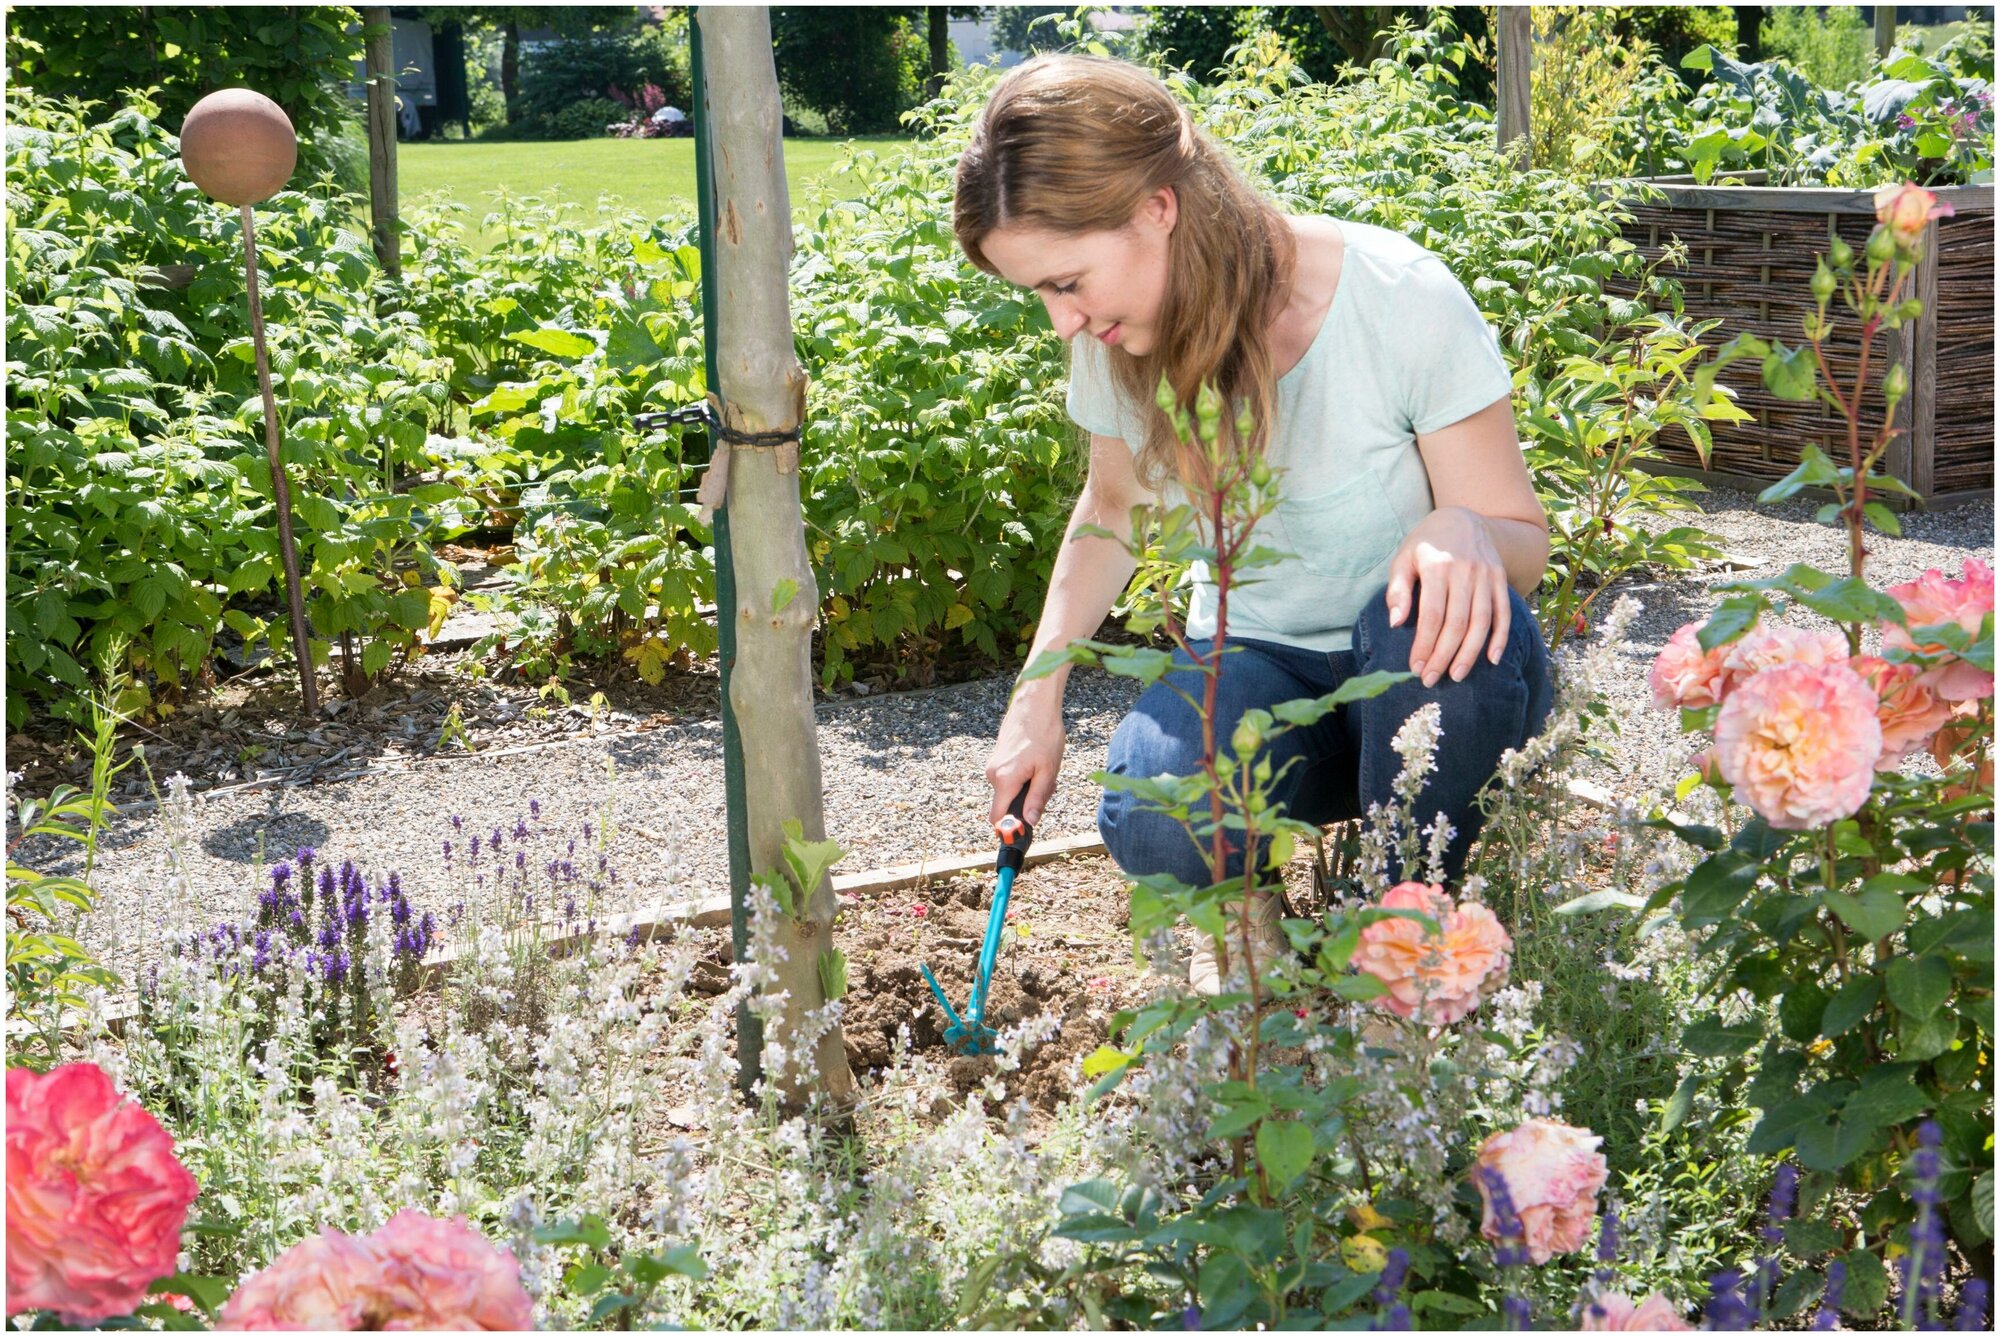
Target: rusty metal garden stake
281, 492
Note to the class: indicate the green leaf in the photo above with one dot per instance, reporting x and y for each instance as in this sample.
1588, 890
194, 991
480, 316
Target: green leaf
561, 343
833, 973
1711, 1037
1791, 373
1717, 886
1926, 1037
1888, 1096
208, 1292
1807, 1238
1852, 1002
1105, 1058
782, 594
590, 1230
375, 656
1918, 986
1867, 1284
1982, 1202
1872, 914
608, 1305
1284, 1149
1680, 1103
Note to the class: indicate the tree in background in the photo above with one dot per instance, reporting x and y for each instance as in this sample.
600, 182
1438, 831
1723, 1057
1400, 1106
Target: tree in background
1015, 29
861, 67
1325, 39
1833, 49
301, 56
591, 41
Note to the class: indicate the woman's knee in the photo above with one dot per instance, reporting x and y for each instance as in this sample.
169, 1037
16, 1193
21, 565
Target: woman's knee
1143, 842
1381, 646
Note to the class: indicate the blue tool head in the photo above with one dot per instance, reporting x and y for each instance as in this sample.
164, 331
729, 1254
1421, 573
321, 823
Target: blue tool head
980, 1040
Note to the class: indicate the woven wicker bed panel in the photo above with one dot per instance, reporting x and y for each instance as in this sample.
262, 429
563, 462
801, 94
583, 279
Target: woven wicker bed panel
1750, 268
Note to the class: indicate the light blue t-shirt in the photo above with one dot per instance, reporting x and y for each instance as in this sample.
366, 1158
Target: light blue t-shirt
1402, 350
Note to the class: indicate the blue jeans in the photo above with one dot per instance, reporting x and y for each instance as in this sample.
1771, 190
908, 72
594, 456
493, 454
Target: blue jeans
1345, 761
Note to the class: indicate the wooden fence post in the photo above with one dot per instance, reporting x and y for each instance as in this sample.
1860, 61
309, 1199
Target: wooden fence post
1515, 56
1885, 29
378, 37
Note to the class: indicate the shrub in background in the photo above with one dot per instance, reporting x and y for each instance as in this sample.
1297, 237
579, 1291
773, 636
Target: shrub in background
300, 56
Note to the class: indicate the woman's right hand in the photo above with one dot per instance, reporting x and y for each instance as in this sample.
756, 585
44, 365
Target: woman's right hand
1028, 751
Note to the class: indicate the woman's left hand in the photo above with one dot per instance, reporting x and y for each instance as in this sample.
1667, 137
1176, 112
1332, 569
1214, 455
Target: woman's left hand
1451, 559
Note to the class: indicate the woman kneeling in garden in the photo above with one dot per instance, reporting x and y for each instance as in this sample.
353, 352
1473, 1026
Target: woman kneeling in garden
1376, 388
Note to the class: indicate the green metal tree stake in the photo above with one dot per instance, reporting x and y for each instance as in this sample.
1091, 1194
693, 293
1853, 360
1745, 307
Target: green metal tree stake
749, 1028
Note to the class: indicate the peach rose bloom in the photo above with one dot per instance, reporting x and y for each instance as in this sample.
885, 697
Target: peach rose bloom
95, 1196
1799, 744
1685, 676
1906, 707
322, 1284
1931, 599
1906, 210
444, 1275
1553, 1173
1774, 644
415, 1274
1437, 978
1614, 1311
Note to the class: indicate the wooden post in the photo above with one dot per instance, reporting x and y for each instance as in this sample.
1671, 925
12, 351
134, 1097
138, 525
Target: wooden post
1516, 62
762, 391
378, 37
1918, 345
1885, 29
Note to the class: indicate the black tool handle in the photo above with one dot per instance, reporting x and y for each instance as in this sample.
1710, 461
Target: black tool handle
1015, 834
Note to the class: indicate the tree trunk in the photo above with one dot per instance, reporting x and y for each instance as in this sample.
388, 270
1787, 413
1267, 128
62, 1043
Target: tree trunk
379, 48
940, 19
510, 71
1749, 33
764, 390
1357, 30
1885, 29
1511, 87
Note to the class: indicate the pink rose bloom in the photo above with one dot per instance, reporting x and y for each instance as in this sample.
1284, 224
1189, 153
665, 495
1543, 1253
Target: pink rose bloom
1773, 645
1436, 977
1906, 210
1799, 744
1553, 1173
1685, 676
95, 1196
1614, 1311
323, 1284
415, 1274
1931, 599
1907, 708
444, 1275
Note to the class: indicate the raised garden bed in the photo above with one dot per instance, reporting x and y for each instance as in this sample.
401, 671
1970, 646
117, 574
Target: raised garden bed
1752, 249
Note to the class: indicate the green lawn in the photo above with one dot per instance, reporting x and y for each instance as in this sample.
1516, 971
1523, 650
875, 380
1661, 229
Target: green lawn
653, 176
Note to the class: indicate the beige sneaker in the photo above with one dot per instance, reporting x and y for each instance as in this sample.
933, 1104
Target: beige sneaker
1268, 943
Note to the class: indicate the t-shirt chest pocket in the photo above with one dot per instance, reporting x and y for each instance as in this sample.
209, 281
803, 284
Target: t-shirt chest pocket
1348, 532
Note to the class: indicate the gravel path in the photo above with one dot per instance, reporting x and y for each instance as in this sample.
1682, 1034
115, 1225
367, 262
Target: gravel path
904, 773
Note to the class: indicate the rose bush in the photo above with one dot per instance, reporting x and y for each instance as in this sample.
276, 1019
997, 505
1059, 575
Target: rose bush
95, 1195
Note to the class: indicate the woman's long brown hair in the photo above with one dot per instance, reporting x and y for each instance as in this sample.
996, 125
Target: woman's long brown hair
1075, 144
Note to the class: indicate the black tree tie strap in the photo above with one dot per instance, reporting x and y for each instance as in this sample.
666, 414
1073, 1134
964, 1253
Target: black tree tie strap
714, 488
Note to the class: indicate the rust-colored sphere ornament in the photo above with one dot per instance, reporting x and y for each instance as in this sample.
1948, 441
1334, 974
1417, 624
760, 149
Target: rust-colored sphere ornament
239, 146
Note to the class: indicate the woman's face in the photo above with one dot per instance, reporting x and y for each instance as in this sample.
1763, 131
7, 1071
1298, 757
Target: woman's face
1105, 285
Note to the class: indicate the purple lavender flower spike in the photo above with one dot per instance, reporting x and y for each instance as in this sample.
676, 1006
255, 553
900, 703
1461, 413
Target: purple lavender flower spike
1191, 1319
447, 851
1391, 1314
520, 829
1727, 1311
457, 822
494, 840
1973, 1300
535, 809
520, 861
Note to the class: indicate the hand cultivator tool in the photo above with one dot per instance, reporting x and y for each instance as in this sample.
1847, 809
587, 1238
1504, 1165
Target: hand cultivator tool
969, 1034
